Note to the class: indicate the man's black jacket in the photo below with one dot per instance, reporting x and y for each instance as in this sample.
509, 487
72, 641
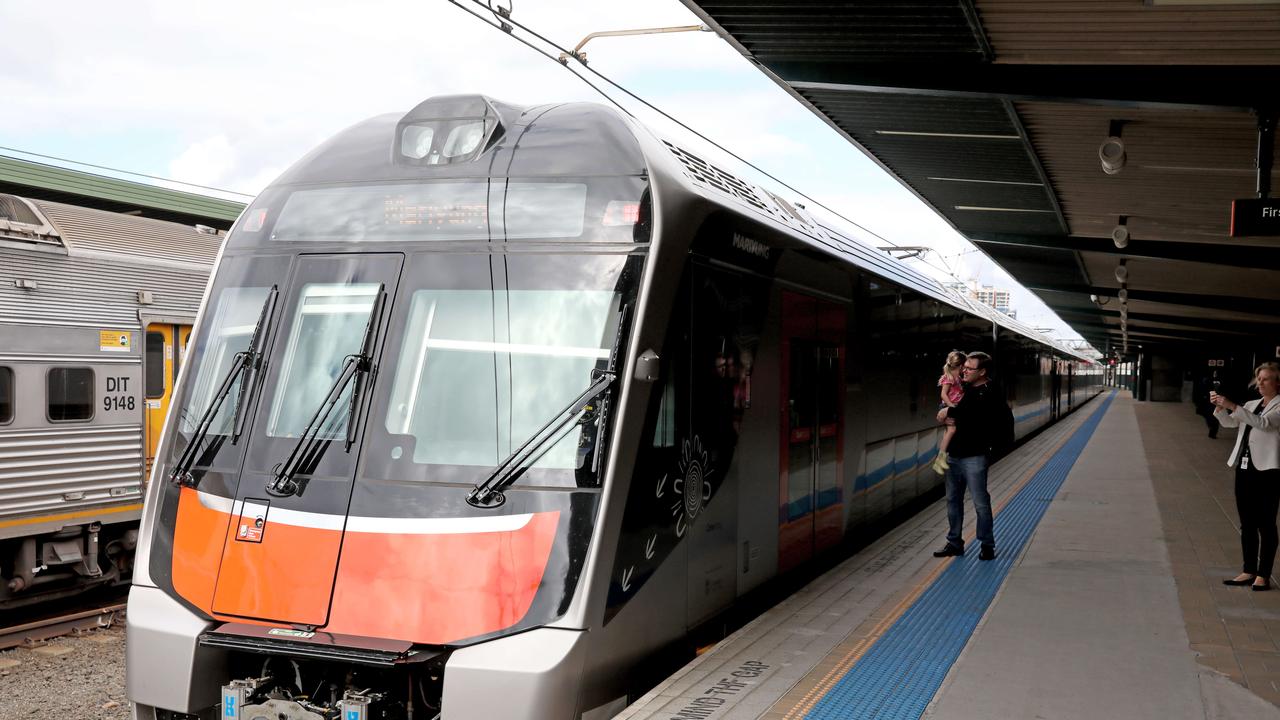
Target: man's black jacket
984, 424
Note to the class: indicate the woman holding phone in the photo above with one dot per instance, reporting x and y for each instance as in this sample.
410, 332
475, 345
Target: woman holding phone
1256, 458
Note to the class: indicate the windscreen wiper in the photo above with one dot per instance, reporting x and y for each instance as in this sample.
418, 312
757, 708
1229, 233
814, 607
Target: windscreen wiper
249, 361
253, 368
488, 492
309, 445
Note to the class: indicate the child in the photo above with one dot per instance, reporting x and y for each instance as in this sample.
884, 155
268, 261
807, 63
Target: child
950, 395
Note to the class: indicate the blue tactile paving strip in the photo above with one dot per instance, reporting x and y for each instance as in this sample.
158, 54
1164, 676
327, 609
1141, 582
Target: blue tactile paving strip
901, 672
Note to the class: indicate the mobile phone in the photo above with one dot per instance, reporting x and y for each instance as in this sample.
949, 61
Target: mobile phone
1217, 385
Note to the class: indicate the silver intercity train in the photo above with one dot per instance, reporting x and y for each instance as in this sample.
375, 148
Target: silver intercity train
490, 410
95, 308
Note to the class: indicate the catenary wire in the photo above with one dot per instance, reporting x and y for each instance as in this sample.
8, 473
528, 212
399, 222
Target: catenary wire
506, 19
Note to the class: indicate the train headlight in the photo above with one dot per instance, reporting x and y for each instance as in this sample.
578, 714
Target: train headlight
447, 131
415, 141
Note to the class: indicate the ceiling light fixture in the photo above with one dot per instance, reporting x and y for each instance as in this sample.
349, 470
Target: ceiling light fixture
1120, 235
1122, 272
989, 182
1111, 152
1123, 294
1000, 209
968, 136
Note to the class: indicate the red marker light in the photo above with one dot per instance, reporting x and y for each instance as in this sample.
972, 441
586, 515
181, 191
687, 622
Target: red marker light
621, 212
255, 220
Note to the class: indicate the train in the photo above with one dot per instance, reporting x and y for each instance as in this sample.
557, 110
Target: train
95, 310
490, 408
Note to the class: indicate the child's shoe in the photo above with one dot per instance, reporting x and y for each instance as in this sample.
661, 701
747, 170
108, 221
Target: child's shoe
940, 465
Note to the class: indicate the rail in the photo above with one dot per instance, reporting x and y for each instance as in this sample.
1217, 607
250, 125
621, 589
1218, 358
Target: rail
32, 633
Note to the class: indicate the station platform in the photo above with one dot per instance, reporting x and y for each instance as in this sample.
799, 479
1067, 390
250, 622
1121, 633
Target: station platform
1114, 529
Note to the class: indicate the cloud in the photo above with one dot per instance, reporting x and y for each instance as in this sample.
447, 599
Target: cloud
206, 162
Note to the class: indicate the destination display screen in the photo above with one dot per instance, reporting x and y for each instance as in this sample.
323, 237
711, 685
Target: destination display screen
433, 211
579, 210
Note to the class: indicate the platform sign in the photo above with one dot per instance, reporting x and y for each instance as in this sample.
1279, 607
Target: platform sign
1253, 217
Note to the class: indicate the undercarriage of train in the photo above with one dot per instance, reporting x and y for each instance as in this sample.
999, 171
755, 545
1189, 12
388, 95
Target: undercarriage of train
39, 568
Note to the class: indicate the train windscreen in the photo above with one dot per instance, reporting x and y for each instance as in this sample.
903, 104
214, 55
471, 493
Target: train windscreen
445, 396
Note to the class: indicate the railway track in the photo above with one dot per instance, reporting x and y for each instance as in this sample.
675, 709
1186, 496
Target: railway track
33, 632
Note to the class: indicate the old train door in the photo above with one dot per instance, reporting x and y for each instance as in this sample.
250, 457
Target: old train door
811, 513
164, 345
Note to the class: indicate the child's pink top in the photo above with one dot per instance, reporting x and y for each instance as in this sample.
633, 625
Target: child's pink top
955, 390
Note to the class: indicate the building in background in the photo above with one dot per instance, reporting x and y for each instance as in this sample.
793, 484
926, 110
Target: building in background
997, 298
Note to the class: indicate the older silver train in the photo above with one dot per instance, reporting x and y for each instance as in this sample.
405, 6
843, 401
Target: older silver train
489, 408
95, 309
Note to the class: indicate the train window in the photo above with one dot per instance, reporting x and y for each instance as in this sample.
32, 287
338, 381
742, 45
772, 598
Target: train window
155, 364
329, 325
596, 209
545, 210
69, 391
235, 315
427, 211
6, 395
469, 395
664, 433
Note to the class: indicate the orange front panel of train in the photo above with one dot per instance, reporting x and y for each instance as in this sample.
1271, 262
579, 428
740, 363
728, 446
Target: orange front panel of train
440, 587
198, 536
286, 577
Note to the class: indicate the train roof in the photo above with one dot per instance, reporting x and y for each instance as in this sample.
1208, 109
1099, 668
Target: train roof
736, 194
602, 143
89, 232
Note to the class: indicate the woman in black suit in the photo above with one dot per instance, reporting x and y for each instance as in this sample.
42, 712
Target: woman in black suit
1256, 458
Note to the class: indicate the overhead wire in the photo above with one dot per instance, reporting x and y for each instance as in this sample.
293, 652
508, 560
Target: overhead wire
124, 172
506, 24
505, 20
503, 25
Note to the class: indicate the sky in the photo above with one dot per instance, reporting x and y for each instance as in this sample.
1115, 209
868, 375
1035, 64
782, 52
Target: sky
227, 95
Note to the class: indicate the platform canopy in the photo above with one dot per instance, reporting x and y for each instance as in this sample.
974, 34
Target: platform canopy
40, 181
993, 112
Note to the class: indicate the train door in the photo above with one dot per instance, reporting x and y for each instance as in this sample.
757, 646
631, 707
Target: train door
1071, 374
1055, 388
164, 345
280, 553
726, 322
812, 429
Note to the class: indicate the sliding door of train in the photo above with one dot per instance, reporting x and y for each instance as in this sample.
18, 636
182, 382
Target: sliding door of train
724, 445
811, 458
165, 343
1055, 389
1071, 375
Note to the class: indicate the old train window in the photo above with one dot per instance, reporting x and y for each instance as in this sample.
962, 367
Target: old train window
69, 391
155, 365
6, 395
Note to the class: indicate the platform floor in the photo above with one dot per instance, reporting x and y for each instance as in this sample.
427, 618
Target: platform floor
1115, 528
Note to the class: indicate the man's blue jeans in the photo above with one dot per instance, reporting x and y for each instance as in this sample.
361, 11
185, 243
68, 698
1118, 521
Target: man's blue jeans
971, 473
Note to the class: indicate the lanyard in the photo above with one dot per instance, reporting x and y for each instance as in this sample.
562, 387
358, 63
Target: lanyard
1244, 441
